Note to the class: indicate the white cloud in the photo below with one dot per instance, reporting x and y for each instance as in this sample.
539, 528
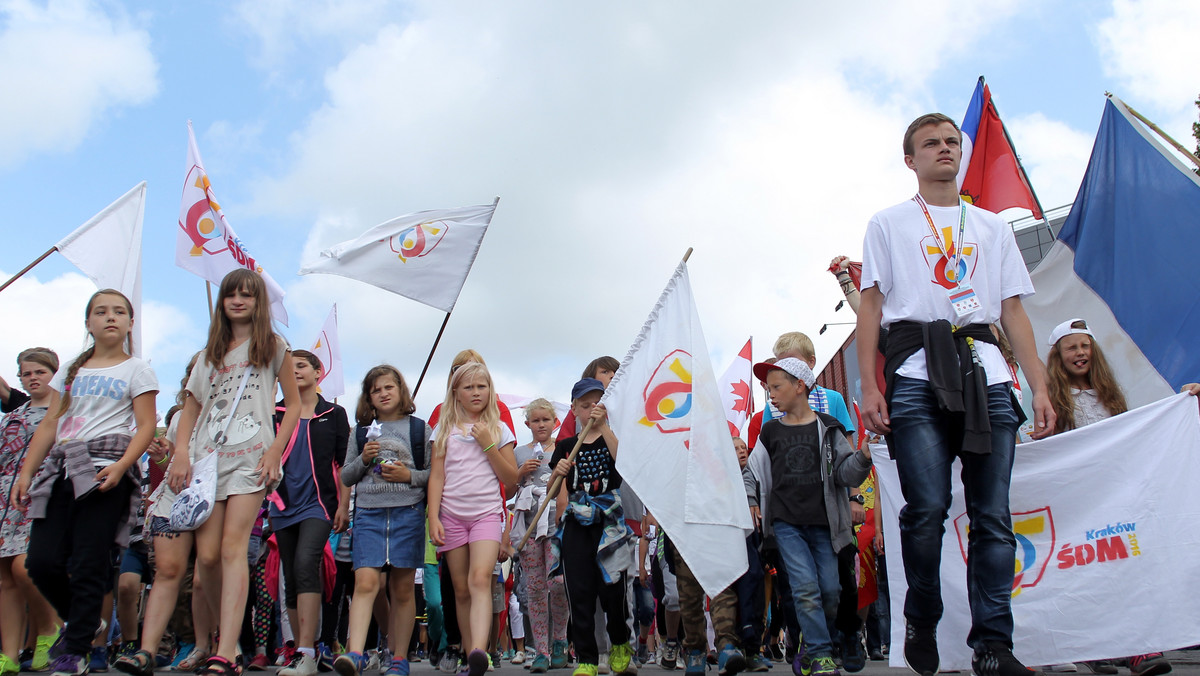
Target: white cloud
1054, 154
56, 310
63, 65
281, 28
616, 138
1149, 48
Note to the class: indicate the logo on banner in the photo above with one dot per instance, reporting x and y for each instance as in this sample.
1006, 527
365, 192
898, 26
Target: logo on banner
419, 240
939, 267
204, 228
1034, 531
668, 394
1113, 542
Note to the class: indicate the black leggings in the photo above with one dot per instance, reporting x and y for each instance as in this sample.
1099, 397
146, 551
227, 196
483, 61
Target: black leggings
300, 548
70, 556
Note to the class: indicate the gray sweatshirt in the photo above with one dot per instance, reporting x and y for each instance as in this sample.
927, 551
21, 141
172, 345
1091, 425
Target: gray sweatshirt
371, 489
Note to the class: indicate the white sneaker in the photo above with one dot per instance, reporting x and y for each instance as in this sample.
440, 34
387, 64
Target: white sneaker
602, 665
373, 661
301, 665
519, 658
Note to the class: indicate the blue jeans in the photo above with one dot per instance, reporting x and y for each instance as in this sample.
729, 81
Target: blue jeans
925, 442
812, 570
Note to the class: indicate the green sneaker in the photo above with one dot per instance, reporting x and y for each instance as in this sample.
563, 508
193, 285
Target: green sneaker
585, 670
825, 666
41, 652
8, 665
620, 658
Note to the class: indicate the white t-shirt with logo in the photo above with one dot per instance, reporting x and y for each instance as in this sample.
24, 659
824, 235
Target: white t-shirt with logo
102, 399
903, 258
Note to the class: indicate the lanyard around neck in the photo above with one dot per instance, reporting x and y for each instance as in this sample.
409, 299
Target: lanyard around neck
958, 243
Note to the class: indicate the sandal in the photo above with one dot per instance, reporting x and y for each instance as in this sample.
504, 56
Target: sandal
140, 663
193, 661
219, 666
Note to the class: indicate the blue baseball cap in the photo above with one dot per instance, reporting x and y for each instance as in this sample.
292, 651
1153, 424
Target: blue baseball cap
584, 386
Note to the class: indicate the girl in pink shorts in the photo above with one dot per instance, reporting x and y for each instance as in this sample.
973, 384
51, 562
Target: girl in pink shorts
472, 456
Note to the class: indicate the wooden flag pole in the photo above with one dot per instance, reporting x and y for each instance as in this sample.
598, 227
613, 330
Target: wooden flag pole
552, 492
208, 288
430, 357
29, 267
1175, 144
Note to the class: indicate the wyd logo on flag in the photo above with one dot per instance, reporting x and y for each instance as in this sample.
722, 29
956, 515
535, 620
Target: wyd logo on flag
199, 222
419, 240
939, 266
668, 394
1034, 531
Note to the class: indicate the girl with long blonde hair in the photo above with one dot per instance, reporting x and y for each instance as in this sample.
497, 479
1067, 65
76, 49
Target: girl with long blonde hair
471, 450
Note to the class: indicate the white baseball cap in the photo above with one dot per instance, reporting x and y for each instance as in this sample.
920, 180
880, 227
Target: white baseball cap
796, 368
1065, 329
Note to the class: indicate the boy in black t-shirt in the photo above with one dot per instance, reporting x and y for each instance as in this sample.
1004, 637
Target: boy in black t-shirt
596, 549
799, 470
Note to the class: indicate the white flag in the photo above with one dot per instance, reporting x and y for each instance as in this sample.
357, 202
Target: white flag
675, 451
108, 249
206, 244
1107, 550
329, 350
737, 394
423, 256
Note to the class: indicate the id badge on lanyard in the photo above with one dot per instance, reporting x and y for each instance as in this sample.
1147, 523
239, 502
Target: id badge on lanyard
961, 296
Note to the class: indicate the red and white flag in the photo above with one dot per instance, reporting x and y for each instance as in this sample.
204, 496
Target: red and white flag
206, 244
329, 350
736, 393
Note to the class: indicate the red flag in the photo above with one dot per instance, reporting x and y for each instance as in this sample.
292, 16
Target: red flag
993, 179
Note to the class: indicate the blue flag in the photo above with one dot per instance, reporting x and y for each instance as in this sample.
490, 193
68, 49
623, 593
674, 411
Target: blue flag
1124, 258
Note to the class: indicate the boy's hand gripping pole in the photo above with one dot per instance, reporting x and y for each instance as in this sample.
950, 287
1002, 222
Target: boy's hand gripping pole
553, 490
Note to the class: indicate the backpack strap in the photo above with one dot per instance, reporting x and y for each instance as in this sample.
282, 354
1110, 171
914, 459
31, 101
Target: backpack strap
360, 436
416, 436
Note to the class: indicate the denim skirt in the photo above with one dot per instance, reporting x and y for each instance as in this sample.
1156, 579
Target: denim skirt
389, 536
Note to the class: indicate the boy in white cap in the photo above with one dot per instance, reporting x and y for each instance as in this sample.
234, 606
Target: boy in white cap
799, 470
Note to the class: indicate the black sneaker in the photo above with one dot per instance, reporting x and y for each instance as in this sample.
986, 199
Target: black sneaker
921, 651
854, 658
996, 659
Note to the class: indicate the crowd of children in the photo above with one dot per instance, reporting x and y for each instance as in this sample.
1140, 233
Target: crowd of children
368, 546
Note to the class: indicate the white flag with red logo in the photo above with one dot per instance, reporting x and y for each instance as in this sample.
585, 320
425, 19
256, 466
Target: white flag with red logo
424, 256
206, 244
736, 394
329, 350
1106, 558
674, 446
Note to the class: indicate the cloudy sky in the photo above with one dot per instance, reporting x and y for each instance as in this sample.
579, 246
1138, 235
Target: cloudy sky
616, 135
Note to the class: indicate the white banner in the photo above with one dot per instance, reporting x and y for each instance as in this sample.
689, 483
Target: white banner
675, 450
329, 350
1108, 555
108, 249
424, 256
206, 244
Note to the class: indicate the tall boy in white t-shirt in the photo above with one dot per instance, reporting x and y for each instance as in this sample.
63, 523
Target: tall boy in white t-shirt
937, 273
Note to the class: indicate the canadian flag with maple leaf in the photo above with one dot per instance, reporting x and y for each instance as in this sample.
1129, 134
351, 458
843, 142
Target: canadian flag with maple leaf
736, 393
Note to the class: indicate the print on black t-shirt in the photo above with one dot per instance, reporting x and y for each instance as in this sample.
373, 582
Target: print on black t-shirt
797, 496
594, 472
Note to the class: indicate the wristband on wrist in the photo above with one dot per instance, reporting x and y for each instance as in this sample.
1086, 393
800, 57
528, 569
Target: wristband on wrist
840, 273
490, 447
162, 462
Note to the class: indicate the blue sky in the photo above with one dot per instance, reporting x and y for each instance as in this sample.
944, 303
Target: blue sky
616, 136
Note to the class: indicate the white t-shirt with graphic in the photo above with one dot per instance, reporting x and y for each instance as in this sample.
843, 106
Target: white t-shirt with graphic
102, 399
903, 258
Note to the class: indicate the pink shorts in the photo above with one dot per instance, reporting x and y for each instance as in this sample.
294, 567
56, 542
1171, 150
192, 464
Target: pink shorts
460, 532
